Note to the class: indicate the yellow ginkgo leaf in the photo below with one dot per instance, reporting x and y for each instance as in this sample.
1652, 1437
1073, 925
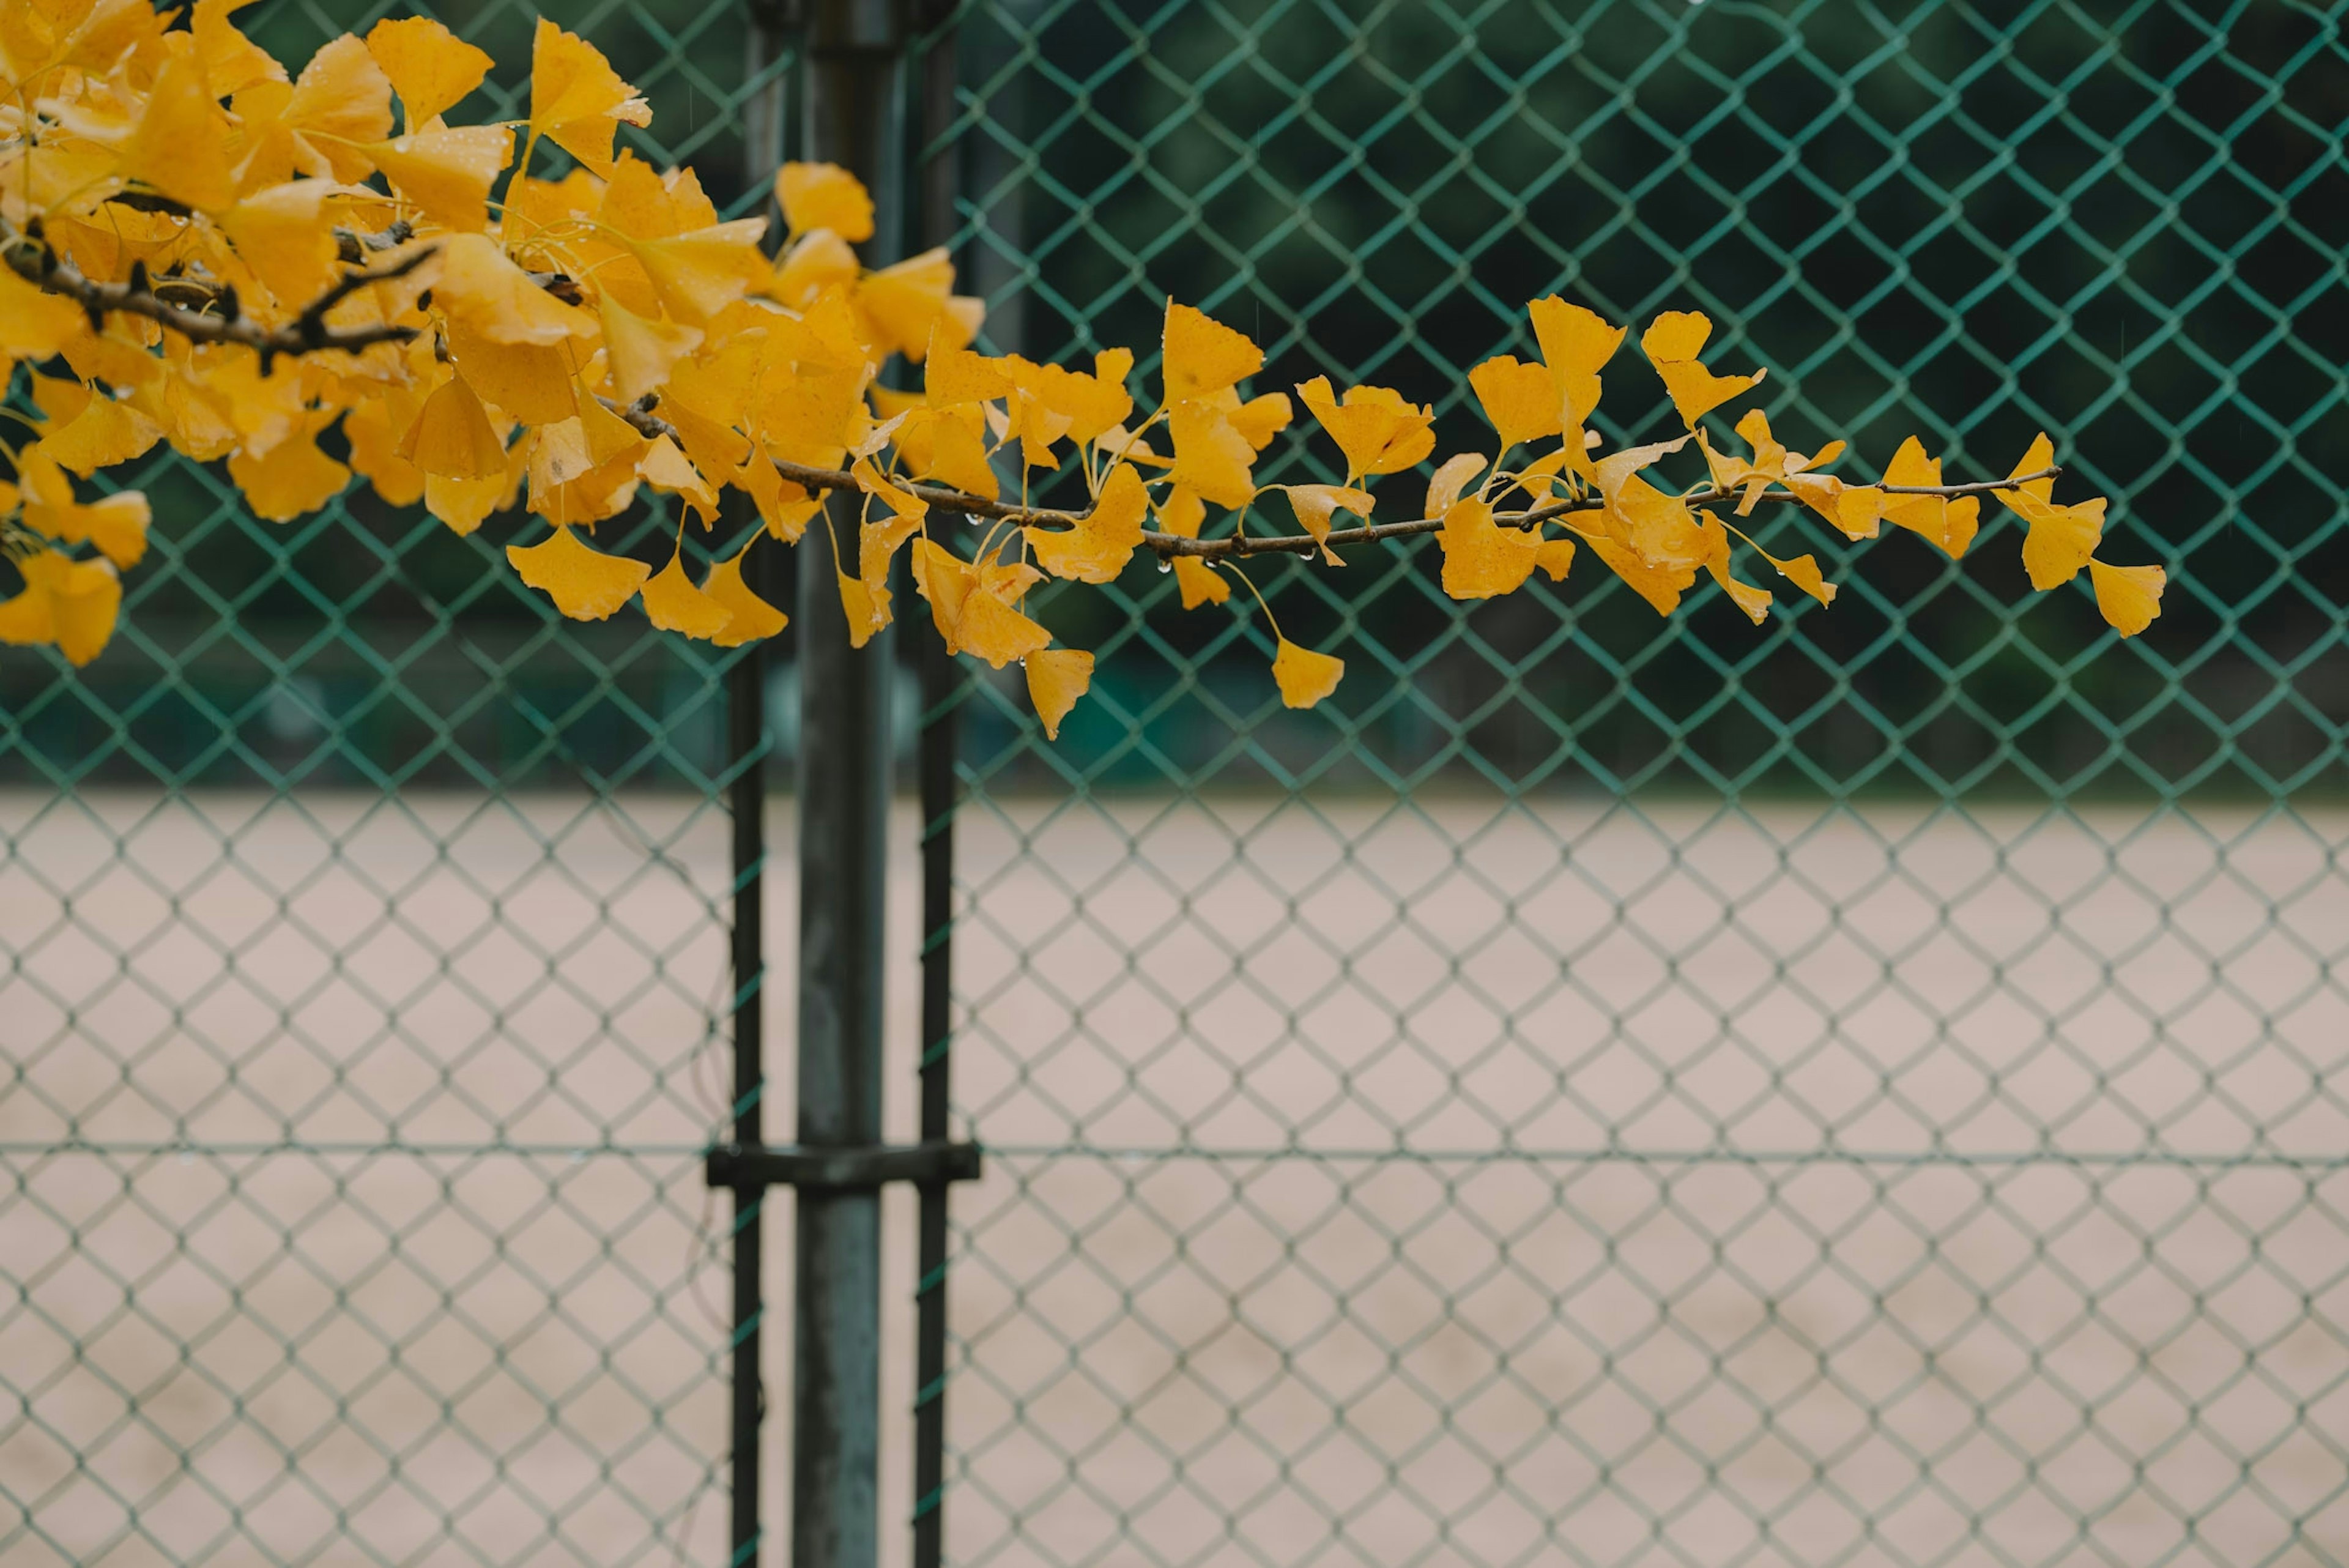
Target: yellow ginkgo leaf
814, 262
72, 603
1556, 559
1259, 419
181, 144
1576, 344
576, 100
1521, 400
1315, 504
906, 305
529, 382
1035, 425
824, 196
104, 434
464, 504
953, 377
283, 234
998, 633
638, 204
453, 435
85, 602
2038, 457
663, 466
431, 67
1057, 677
1803, 571
1481, 559
2129, 597
1753, 602
1304, 676
116, 524
2060, 538
1082, 407
1450, 478
1661, 586
34, 325
231, 61
342, 99
584, 583
1182, 514
1373, 426
1676, 336
783, 507
1211, 458
866, 606
639, 353
1097, 549
1950, 524
753, 617
288, 480
575, 475
946, 581
1199, 583
447, 172
1204, 355
375, 451
27, 617
673, 603
487, 295
949, 445
1672, 343
699, 275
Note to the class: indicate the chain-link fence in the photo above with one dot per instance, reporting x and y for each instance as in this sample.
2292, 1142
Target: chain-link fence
1869, 1089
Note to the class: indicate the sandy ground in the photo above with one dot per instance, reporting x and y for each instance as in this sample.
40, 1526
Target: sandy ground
1449, 1184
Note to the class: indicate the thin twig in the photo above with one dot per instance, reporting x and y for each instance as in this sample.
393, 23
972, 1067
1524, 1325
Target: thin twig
1170, 545
650, 425
34, 261
355, 245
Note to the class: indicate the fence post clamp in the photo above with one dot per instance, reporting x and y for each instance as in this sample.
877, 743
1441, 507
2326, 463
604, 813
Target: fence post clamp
840, 1169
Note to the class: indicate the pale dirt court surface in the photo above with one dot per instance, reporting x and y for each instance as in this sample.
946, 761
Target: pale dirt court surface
2071, 1283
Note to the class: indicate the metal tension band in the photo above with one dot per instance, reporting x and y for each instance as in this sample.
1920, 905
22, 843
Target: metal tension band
868, 1168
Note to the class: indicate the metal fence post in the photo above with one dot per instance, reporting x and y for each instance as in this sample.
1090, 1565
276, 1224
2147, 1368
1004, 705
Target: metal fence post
941, 680
853, 102
746, 710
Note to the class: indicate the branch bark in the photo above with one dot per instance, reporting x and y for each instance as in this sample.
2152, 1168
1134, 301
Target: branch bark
33, 259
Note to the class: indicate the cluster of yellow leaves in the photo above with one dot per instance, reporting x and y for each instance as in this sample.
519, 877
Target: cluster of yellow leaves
575, 342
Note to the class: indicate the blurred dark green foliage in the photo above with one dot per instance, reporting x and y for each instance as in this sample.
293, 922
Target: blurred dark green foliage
2121, 224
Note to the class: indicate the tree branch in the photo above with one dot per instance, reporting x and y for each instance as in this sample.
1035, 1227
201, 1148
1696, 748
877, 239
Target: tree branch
1230, 544
33, 259
650, 425
355, 245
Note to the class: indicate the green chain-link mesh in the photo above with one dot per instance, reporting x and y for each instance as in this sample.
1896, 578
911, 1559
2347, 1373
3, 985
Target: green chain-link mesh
1868, 1090
1865, 1090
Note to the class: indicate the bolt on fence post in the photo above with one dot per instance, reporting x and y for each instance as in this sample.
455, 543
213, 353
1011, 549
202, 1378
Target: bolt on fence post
746, 713
853, 102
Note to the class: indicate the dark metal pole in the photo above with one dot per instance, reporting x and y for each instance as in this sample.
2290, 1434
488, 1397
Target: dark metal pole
940, 683
746, 799
853, 104
746, 710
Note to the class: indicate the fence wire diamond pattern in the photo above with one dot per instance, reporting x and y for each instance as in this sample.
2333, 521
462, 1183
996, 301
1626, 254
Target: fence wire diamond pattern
1870, 1090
